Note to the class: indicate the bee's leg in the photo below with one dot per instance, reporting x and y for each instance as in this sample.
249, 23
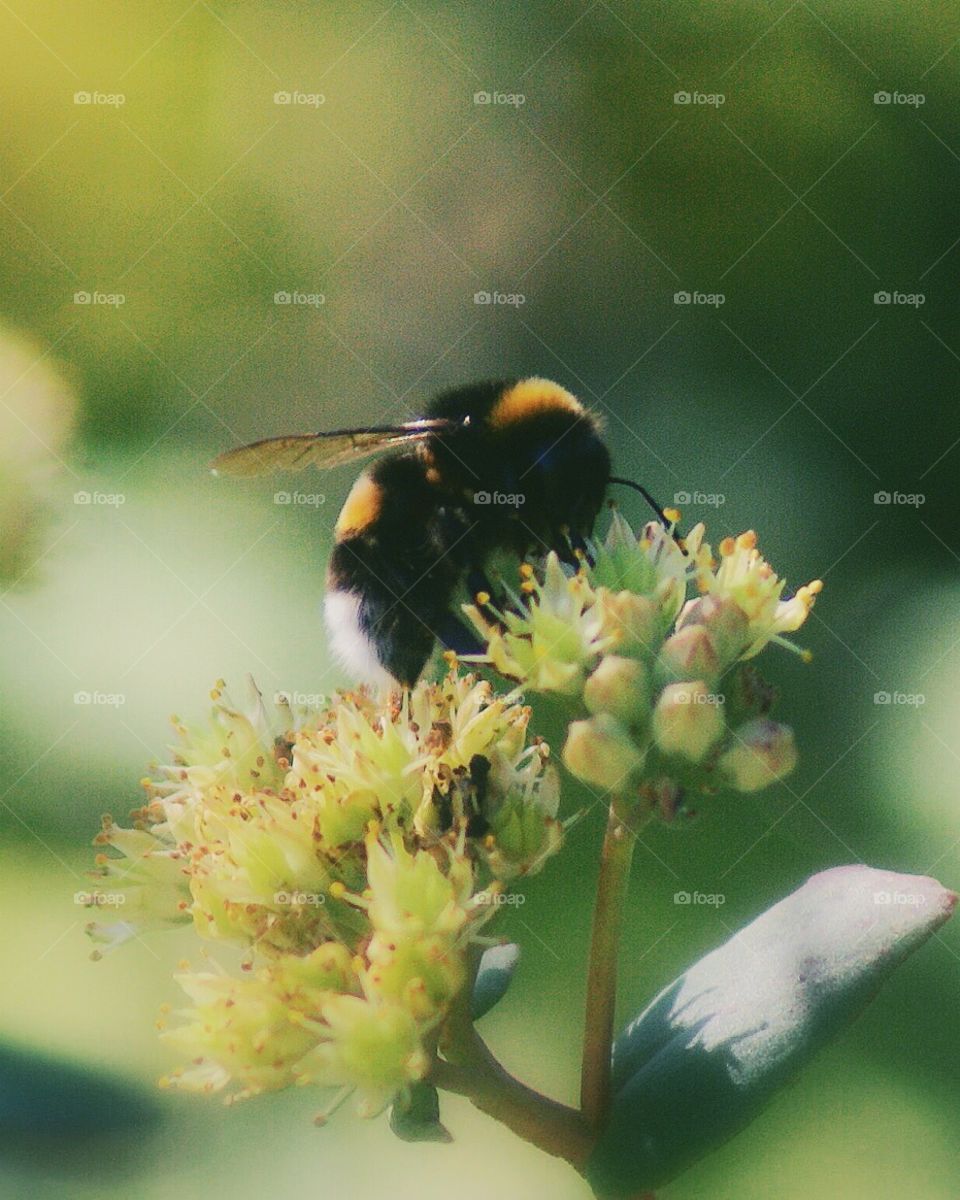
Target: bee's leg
479, 585
573, 548
454, 635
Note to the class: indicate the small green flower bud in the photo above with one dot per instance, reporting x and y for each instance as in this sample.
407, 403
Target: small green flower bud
522, 836
619, 686
420, 973
601, 752
373, 1046
763, 752
687, 720
726, 622
689, 653
632, 623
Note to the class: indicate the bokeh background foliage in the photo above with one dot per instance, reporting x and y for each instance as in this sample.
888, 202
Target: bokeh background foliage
397, 198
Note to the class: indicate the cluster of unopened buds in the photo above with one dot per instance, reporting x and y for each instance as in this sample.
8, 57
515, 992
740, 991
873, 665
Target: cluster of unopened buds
669, 706
357, 852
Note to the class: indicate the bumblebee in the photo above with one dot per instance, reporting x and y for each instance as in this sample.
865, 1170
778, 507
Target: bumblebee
509, 465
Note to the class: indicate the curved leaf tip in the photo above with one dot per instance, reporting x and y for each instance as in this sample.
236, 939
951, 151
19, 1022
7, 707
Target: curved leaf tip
704, 1057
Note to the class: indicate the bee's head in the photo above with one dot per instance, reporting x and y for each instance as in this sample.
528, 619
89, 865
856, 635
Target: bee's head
568, 474
548, 447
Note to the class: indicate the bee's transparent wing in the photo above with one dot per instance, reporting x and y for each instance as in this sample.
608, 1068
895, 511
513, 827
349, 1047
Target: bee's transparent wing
331, 449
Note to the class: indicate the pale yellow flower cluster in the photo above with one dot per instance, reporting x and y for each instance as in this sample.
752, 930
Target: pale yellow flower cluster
354, 853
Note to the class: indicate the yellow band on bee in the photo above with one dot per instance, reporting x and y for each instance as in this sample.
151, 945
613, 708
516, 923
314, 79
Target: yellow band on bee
361, 508
531, 396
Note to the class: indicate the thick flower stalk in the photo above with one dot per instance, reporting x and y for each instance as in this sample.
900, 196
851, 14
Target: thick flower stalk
355, 854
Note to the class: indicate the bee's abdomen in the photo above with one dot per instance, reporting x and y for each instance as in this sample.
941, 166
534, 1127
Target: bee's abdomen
392, 572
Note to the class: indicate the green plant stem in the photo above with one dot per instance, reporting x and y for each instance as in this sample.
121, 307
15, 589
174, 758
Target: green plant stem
471, 1070
545, 1123
615, 860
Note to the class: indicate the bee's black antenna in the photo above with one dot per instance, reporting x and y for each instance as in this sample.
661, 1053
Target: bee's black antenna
661, 515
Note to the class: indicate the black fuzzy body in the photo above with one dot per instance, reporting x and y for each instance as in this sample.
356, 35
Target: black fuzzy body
527, 484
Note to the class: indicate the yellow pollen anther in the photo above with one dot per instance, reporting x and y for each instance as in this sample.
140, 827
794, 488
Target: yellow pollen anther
526, 570
672, 514
528, 586
806, 655
337, 889
727, 547
482, 598
815, 586
747, 541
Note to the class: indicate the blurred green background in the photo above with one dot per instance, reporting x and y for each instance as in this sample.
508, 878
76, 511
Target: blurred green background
156, 195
